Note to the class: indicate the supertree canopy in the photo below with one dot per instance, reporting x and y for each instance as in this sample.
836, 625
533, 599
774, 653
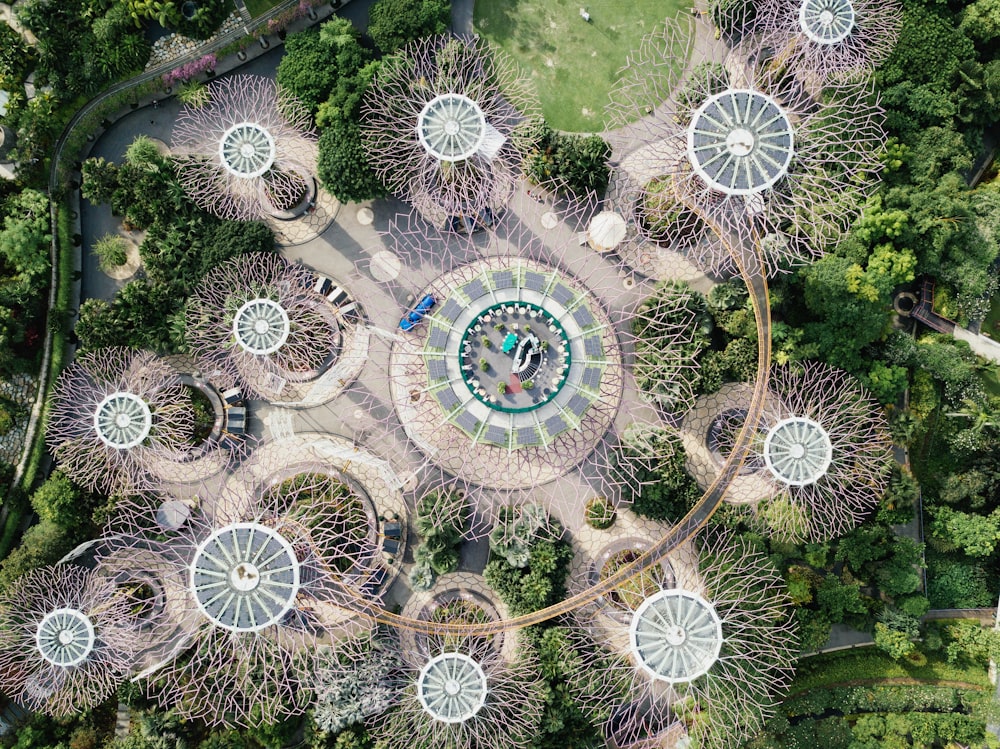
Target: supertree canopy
248, 152
828, 38
706, 655
739, 150
258, 320
67, 639
262, 567
823, 452
447, 123
117, 412
461, 692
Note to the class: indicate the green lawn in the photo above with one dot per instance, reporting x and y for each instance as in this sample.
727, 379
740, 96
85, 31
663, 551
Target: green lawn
259, 7
574, 63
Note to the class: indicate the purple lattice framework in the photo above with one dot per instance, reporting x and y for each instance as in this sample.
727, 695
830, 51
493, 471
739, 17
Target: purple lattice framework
249, 152
498, 702
263, 567
734, 148
829, 38
509, 457
735, 591
67, 640
824, 447
116, 413
258, 320
447, 124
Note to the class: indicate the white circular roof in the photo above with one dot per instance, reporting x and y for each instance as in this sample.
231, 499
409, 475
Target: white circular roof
740, 142
261, 326
607, 229
452, 687
826, 21
65, 637
675, 635
245, 577
247, 150
798, 451
122, 420
451, 127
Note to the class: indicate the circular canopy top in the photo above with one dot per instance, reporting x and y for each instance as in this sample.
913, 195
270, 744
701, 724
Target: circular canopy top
247, 150
452, 687
451, 127
826, 21
798, 451
675, 635
261, 326
122, 420
740, 142
245, 577
65, 637
606, 230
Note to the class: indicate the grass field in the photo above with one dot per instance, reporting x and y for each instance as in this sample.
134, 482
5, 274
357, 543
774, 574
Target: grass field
573, 63
259, 7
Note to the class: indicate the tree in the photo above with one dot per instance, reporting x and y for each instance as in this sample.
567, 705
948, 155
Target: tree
571, 163
838, 600
343, 165
316, 60
976, 535
100, 180
393, 23
25, 238
347, 696
61, 502
895, 643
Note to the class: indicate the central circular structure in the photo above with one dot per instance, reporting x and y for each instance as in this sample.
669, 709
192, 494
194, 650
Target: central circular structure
740, 142
247, 150
452, 687
512, 358
65, 637
123, 420
451, 127
261, 326
675, 636
512, 377
798, 451
827, 21
245, 577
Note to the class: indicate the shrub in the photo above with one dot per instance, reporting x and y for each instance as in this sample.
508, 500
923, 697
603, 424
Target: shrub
600, 513
393, 23
111, 251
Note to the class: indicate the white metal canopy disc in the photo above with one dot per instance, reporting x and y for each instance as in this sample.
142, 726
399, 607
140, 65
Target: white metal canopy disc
451, 127
261, 326
65, 637
798, 451
247, 150
827, 21
122, 420
245, 577
451, 687
675, 635
740, 142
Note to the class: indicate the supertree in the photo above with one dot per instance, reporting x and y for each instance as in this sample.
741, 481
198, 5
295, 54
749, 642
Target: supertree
455, 691
447, 123
258, 320
828, 38
67, 639
822, 452
707, 655
732, 147
117, 412
262, 567
247, 152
